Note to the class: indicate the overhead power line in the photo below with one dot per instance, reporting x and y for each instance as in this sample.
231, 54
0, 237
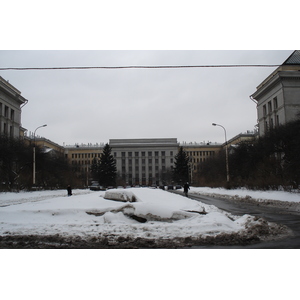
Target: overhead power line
137, 67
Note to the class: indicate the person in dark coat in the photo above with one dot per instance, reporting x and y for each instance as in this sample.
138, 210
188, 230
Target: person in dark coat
186, 188
69, 190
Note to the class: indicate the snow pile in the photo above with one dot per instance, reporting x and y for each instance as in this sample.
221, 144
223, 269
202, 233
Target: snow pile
118, 195
155, 215
242, 194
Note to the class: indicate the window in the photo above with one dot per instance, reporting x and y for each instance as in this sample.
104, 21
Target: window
277, 121
275, 103
12, 114
6, 111
264, 110
270, 107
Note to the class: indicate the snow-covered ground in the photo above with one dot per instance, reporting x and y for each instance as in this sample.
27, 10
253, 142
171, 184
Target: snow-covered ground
259, 196
155, 215
122, 274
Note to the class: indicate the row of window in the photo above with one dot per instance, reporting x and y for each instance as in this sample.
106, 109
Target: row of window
199, 160
8, 113
137, 175
143, 153
272, 105
6, 129
143, 168
201, 153
81, 162
143, 160
85, 155
270, 124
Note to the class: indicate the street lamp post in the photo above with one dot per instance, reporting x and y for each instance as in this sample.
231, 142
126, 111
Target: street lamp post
226, 149
33, 175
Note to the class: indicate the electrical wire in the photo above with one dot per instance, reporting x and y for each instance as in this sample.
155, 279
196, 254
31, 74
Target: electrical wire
136, 67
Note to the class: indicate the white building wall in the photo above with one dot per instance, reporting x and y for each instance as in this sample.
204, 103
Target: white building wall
10, 109
278, 100
144, 161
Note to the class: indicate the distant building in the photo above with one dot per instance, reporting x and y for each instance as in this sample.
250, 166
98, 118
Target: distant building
242, 137
81, 157
144, 161
199, 153
278, 96
11, 103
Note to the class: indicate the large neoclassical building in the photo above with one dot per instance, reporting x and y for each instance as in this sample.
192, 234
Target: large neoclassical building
144, 161
278, 96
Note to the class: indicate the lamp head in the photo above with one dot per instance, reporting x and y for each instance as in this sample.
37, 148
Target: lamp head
214, 124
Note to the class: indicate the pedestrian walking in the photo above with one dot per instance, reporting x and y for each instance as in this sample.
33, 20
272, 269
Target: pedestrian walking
69, 191
186, 188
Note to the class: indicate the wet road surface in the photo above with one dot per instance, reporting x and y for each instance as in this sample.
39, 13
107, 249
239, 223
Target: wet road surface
288, 217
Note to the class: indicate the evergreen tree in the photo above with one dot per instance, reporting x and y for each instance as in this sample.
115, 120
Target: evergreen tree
181, 169
107, 170
95, 169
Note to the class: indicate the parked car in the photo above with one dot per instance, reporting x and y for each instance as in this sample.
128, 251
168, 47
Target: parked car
96, 187
170, 187
178, 187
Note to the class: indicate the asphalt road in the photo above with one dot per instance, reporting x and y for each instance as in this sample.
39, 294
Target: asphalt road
288, 217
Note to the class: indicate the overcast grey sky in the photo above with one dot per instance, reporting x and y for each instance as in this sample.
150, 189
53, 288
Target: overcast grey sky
90, 106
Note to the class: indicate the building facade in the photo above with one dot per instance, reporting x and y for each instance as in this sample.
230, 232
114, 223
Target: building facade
144, 161
81, 157
11, 103
199, 153
278, 96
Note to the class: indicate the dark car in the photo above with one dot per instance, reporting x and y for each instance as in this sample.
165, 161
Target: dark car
170, 187
96, 187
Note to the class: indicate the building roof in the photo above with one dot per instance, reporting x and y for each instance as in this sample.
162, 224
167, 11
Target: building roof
293, 59
292, 63
143, 142
10, 90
